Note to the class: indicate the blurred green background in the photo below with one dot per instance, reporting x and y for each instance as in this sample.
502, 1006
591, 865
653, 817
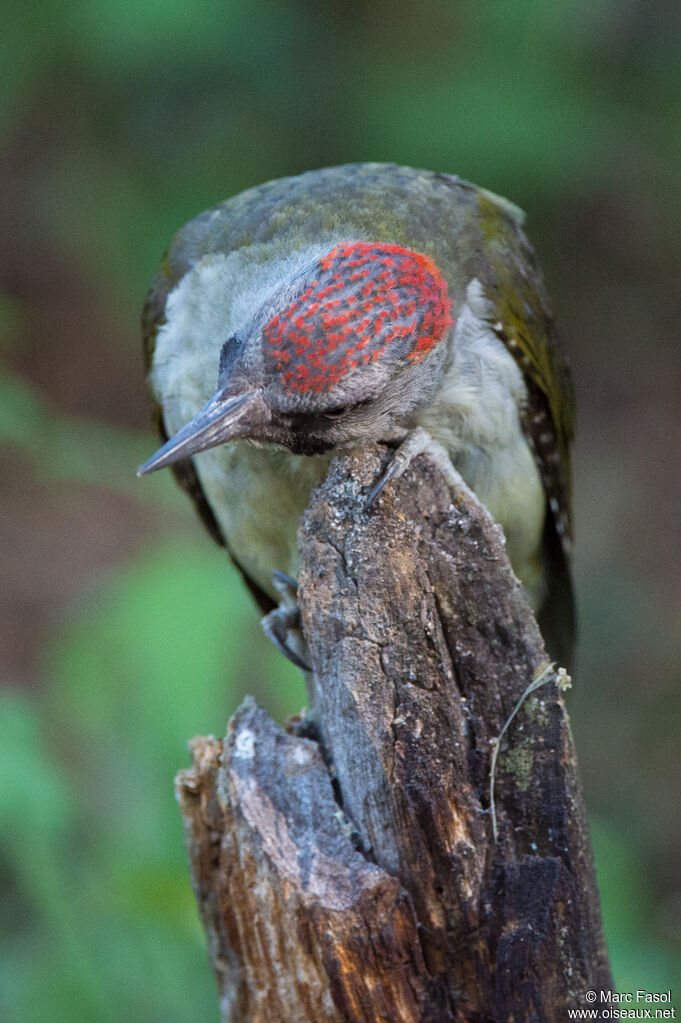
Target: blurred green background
124, 631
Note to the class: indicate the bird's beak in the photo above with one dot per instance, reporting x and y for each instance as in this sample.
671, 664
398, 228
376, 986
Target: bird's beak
223, 418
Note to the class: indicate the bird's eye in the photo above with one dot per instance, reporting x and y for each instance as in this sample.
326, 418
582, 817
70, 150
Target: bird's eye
337, 413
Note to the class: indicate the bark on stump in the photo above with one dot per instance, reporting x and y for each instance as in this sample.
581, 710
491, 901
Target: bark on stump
347, 870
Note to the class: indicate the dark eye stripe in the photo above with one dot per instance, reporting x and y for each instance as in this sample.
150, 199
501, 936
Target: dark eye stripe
337, 413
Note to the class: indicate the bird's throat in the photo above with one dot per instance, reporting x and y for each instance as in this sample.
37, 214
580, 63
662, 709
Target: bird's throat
258, 494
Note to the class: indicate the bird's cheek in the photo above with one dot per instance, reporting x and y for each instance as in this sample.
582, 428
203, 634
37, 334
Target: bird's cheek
377, 424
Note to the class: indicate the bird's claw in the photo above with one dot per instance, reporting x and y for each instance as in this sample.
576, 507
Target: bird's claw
385, 478
287, 588
282, 625
416, 442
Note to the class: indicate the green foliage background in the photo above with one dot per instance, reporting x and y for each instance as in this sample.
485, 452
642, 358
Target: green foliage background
126, 632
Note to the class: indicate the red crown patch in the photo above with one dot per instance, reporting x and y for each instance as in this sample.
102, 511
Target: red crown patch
362, 298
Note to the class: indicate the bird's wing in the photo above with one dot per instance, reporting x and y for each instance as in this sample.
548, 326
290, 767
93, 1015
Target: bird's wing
521, 318
482, 237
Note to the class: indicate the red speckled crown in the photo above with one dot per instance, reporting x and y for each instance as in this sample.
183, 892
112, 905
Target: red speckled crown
364, 297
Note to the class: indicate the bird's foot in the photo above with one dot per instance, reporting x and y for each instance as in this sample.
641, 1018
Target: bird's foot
417, 442
282, 626
287, 588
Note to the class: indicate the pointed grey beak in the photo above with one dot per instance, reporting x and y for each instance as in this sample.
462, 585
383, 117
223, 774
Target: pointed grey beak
223, 418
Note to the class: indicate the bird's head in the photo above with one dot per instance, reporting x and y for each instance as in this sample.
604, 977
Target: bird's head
337, 356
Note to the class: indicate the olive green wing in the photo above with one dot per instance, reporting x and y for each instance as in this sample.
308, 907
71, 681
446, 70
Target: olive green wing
521, 318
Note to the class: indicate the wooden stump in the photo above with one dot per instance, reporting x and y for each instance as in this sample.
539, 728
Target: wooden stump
350, 872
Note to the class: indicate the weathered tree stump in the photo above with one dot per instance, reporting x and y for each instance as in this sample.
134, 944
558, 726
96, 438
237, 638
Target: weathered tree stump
350, 872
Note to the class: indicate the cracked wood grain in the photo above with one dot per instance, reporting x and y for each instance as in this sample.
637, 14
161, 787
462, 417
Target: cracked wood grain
401, 907
301, 926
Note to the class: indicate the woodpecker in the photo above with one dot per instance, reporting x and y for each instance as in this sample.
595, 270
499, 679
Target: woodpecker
368, 302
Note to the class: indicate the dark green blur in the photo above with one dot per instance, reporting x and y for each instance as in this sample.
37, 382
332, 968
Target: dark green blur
126, 632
